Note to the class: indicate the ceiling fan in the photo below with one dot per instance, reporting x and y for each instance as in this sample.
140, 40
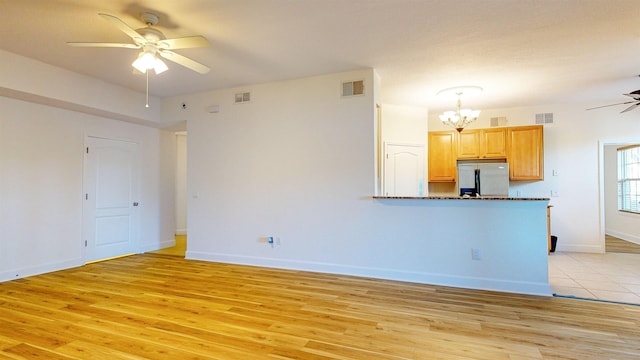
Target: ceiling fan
153, 42
635, 95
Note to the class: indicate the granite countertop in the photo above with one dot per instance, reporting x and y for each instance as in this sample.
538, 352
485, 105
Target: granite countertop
461, 198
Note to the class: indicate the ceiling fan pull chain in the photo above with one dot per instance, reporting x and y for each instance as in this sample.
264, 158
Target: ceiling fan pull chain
147, 72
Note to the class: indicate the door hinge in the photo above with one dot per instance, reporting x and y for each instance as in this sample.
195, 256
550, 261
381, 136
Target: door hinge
86, 196
85, 243
87, 149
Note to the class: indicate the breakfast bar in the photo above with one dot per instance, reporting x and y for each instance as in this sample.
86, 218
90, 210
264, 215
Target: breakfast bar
487, 242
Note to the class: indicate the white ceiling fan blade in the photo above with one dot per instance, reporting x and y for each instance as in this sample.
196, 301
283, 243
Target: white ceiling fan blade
184, 61
101, 44
184, 42
630, 107
124, 28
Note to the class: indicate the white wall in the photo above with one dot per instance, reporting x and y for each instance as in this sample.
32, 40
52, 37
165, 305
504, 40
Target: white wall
41, 165
297, 163
181, 183
572, 147
404, 125
34, 81
620, 224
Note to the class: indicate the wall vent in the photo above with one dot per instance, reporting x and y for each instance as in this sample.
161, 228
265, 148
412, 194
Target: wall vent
241, 98
544, 118
353, 88
498, 121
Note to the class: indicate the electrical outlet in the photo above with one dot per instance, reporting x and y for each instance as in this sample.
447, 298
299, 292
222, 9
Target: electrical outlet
475, 254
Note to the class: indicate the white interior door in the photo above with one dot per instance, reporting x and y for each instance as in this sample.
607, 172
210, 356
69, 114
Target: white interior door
404, 170
110, 214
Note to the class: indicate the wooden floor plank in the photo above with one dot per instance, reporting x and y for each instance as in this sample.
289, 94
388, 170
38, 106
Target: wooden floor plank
164, 307
614, 244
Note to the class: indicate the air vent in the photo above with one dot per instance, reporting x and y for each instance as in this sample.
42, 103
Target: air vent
544, 118
498, 121
353, 88
241, 98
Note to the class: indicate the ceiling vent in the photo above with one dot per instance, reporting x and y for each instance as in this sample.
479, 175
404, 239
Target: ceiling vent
353, 88
241, 98
544, 118
498, 121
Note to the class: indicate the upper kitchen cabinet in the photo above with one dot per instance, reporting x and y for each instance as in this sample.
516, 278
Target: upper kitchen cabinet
442, 156
494, 143
525, 152
488, 143
469, 144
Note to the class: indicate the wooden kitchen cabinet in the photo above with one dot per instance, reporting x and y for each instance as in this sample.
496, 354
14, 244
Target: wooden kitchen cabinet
488, 143
442, 156
525, 152
469, 144
494, 143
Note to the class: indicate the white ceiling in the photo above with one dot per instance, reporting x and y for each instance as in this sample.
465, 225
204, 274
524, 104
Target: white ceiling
522, 52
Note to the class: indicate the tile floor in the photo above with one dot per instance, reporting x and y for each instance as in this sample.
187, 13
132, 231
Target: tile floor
610, 276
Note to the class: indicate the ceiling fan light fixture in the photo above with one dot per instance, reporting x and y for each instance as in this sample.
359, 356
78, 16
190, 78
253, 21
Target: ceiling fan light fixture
160, 66
147, 60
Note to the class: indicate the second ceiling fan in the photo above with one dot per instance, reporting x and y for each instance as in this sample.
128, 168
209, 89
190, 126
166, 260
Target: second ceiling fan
153, 43
635, 95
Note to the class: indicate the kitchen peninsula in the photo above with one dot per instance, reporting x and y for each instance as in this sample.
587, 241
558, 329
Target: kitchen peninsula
496, 243
442, 197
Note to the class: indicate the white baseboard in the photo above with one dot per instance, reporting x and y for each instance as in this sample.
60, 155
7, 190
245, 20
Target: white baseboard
40, 269
596, 249
521, 287
153, 247
627, 237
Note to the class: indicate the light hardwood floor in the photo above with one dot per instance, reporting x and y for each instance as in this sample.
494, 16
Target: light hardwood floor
179, 249
165, 307
614, 244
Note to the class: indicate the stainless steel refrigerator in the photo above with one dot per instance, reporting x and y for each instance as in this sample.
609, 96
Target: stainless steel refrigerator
483, 179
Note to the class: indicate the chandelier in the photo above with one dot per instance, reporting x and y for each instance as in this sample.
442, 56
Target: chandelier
460, 118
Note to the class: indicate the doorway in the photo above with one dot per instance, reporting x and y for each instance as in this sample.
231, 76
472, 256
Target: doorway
180, 247
111, 198
620, 229
612, 275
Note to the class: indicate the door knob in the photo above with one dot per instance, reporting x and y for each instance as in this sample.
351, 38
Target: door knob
135, 203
